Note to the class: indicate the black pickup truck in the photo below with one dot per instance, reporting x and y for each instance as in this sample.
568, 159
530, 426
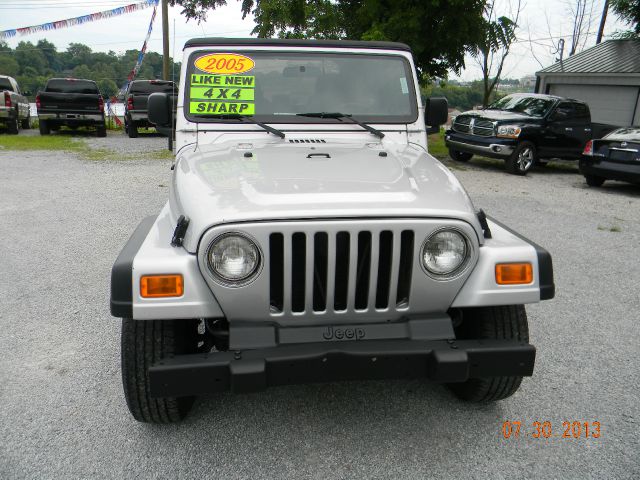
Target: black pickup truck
523, 129
137, 96
72, 103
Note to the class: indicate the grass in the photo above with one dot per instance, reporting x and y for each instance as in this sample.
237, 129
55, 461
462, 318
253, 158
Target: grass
77, 146
101, 154
63, 143
613, 228
436, 145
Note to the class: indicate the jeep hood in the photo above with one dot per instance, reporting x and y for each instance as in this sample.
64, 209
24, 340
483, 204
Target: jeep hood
278, 180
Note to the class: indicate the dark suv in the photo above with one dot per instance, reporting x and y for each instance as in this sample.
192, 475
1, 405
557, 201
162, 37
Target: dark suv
522, 129
137, 97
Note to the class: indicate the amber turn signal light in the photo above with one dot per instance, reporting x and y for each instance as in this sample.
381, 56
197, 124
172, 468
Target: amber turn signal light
154, 286
514, 273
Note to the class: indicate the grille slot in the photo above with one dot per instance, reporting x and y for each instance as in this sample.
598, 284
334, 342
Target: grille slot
344, 271
307, 140
298, 263
406, 262
276, 272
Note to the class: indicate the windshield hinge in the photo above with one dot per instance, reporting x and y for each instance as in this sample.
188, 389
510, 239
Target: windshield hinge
180, 231
482, 218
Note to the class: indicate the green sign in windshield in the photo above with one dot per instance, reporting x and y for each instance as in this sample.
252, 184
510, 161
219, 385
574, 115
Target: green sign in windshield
222, 94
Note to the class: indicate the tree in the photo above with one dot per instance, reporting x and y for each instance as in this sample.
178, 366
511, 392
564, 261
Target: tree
492, 51
439, 32
582, 14
107, 87
629, 11
9, 65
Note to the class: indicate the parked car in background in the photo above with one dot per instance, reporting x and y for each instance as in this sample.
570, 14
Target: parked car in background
72, 103
14, 107
522, 129
614, 157
137, 97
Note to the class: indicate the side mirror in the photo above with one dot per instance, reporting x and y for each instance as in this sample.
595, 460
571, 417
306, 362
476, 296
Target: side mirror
436, 113
160, 111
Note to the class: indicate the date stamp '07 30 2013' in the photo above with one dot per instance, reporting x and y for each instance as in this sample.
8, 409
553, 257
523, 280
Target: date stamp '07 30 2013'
575, 429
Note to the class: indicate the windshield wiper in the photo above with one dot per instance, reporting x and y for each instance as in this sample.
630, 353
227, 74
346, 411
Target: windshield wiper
338, 115
269, 129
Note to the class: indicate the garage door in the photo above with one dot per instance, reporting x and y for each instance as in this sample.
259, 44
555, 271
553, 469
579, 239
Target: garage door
608, 104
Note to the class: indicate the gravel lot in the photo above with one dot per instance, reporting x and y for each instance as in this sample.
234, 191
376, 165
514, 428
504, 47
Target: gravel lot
63, 415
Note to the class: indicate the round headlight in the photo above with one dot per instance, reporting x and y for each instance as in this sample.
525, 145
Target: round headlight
444, 252
234, 258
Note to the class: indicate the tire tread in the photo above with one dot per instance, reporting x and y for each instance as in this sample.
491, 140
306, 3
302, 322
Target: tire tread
143, 343
507, 322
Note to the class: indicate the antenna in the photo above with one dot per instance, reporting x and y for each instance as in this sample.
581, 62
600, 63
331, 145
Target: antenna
174, 94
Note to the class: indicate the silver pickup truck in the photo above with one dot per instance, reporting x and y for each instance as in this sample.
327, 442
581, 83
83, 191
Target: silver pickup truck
309, 236
14, 107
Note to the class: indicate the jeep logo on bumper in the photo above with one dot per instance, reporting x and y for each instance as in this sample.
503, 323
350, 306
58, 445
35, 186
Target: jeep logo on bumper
332, 333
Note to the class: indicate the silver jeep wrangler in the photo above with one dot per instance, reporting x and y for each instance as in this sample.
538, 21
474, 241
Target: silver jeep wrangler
309, 236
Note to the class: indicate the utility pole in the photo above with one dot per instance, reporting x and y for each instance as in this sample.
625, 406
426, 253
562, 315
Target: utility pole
602, 21
165, 40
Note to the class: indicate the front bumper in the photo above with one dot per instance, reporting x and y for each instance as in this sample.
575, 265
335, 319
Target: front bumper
611, 170
492, 147
447, 361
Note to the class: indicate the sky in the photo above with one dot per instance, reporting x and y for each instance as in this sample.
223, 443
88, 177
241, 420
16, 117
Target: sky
541, 24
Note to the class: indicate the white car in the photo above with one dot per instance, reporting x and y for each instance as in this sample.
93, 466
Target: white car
309, 236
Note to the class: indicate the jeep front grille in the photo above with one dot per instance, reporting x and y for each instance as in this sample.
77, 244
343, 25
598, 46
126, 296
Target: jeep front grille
473, 126
344, 271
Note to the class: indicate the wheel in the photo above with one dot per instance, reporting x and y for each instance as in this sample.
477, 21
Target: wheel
101, 131
503, 322
132, 129
13, 126
594, 181
459, 156
143, 343
522, 158
26, 123
44, 127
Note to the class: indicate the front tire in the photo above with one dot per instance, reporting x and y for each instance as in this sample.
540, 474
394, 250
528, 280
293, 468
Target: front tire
459, 156
101, 131
507, 322
523, 158
143, 343
594, 181
26, 123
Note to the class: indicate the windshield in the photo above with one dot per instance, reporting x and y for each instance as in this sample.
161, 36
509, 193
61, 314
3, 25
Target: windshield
534, 106
71, 86
275, 87
5, 84
151, 86
625, 134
